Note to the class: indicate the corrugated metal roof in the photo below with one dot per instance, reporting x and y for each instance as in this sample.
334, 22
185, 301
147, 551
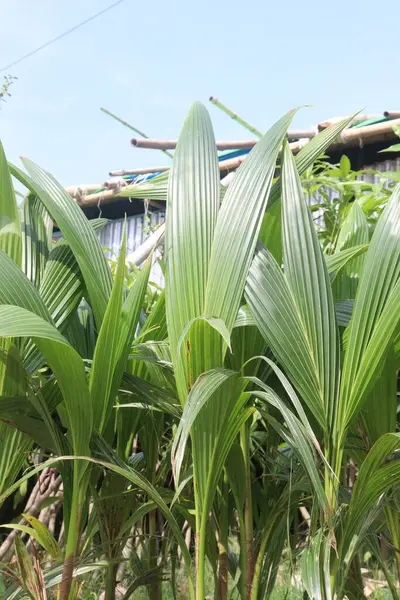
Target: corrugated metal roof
386, 165
137, 230
140, 226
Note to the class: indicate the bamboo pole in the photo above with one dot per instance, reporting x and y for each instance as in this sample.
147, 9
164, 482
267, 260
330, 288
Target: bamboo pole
235, 117
295, 135
110, 196
221, 144
143, 171
223, 166
232, 163
355, 136
171, 144
126, 124
348, 138
103, 197
138, 256
82, 191
394, 114
112, 192
299, 134
115, 184
369, 134
76, 191
355, 121
107, 196
328, 122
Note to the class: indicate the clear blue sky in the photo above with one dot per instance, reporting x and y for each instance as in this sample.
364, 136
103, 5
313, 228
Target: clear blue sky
148, 61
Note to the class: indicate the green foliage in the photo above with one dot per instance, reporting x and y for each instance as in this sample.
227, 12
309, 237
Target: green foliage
394, 147
332, 190
232, 436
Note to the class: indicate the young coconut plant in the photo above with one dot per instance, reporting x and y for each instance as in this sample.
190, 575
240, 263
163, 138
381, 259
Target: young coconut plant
315, 346
209, 248
36, 305
294, 309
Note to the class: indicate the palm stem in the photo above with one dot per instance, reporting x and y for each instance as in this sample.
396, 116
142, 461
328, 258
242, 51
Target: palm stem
79, 491
111, 581
259, 561
200, 538
394, 528
334, 456
200, 558
243, 556
223, 542
248, 507
155, 587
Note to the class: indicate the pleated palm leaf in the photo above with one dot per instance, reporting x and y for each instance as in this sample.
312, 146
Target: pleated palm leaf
294, 309
209, 248
37, 305
208, 253
309, 359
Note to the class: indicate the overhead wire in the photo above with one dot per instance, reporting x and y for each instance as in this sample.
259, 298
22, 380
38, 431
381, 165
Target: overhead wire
59, 37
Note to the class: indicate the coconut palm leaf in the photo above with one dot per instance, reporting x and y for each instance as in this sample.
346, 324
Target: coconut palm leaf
78, 233
62, 286
65, 363
308, 279
271, 233
343, 312
374, 324
338, 261
379, 472
105, 353
270, 299
109, 461
354, 232
10, 224
238, 226
37, 229
14, 444
192, 209
208, 252
378, 415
